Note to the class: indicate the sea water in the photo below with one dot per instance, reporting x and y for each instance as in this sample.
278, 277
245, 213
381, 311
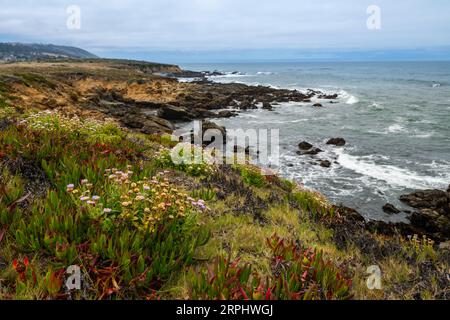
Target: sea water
395, 117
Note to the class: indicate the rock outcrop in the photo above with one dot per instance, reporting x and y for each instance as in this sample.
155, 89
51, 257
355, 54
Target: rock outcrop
340, 142
431, 217
170, 112
304, 145
312, 152
390, 209
432, 213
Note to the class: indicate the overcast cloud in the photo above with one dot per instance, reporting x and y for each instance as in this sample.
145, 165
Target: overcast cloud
227, 24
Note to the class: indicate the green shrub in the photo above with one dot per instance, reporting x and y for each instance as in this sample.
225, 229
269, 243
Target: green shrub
11, 191
204, 194
313, 203
252, 176
194, 165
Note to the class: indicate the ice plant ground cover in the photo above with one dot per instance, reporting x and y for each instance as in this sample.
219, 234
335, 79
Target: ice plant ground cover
75, 191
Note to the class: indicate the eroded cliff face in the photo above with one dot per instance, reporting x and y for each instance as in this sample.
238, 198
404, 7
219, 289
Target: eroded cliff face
142, 96
91, 88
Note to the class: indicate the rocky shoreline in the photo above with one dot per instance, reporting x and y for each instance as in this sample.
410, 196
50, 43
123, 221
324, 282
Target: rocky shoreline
154, 103
429, 213
207, 101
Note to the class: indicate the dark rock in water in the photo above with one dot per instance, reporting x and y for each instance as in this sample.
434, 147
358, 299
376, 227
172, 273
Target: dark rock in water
427, 199
305, 145
317, 105
340, 142
311, 152
203, 113
209, 125
390, 209
325, 163
247, 105
170, 112
267, 106
226, 114
328, 96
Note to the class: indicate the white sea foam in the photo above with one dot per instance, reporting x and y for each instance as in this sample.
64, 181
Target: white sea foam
423, 135
229, 74
236, 75
267, 73
395, 128
352, 100
277, 121
347, 97
392, 175
186, 80
377, 106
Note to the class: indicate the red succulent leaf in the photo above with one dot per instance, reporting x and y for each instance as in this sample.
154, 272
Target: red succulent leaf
268, 294
243, 293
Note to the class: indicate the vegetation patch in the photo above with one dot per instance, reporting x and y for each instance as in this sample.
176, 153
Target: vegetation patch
76, 191
30, 79
298, 273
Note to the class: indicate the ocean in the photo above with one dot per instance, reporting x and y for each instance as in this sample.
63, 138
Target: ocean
395, 117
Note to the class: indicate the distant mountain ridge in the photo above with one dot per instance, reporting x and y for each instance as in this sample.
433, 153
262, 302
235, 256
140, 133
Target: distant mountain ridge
12, 52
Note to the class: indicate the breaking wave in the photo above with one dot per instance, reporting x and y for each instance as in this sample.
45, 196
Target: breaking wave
390, 174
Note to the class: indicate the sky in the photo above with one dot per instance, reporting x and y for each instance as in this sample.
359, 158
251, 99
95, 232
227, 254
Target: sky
235, 29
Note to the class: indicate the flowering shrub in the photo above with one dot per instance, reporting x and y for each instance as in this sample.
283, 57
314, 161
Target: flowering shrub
197, 164
141, 231
421, 249
93, 130
130, 232
298, 273
6, 111
143, 204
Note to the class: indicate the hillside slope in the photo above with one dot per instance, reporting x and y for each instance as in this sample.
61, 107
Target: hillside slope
86, 179
32, 52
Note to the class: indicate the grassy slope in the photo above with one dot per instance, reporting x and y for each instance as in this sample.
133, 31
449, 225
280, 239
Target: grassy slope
158, 247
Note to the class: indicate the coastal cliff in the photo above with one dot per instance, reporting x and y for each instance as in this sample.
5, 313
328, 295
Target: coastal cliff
86, 179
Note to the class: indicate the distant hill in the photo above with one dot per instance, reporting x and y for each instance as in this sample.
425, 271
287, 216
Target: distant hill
11, 52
